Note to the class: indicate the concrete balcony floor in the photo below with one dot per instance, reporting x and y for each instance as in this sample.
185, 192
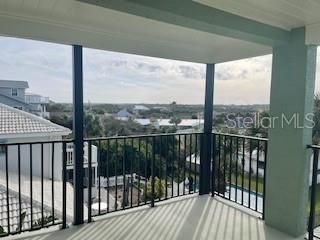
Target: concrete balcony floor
190, 217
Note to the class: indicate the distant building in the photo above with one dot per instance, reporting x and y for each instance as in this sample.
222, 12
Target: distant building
140, 108
123, 114
38, 104
185, 123
13, 94
161, 109
143, 121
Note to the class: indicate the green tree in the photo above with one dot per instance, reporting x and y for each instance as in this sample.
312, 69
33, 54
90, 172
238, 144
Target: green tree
92, 125
175, 121
316, 119
159, 188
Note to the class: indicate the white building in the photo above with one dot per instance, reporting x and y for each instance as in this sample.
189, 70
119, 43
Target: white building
17, 126
140, 108
38, 104
257, 162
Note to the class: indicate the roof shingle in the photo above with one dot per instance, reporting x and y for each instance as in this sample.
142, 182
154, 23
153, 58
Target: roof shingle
14, 121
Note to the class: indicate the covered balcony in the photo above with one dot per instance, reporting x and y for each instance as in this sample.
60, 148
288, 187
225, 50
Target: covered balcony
203, 185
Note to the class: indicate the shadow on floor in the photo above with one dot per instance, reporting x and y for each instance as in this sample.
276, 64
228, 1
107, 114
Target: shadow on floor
199, 217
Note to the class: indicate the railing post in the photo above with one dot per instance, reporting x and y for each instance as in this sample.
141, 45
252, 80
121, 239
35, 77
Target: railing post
89, 181
78, 134
205, 149
152, 172
64, 185
313, 192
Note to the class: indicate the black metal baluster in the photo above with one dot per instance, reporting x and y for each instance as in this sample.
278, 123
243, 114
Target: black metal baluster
31, 200
195, 163
179, 163
213, 164
184, 163
237, 163
19, 187
250, 166
89, 181
313, 193
131, 171
224, 165
116, 176
145, 172
64, 185
264, 177
7, 188
42, 188
172, 164
160, 167
98, 176
243, 166
139, 168
52, 182
108, 175
190, 159
167, 155
152, 172
230, 169
257, 174
124, 157
219, 164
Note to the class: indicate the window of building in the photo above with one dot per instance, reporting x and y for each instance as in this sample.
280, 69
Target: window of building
261, 164
14, 92
18, 107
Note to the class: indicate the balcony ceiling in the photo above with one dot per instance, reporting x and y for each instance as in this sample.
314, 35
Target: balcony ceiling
285, 14
210, 31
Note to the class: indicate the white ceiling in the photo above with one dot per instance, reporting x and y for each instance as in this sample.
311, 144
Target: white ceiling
286, 14
72, 22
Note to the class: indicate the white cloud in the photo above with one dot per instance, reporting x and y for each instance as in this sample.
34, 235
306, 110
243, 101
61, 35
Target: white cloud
117, 77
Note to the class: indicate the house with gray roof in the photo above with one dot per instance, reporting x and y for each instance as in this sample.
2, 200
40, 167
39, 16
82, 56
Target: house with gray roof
18, 126
13, 93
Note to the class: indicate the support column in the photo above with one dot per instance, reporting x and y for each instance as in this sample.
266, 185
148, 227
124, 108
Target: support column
288, 163
78, 172
205, 150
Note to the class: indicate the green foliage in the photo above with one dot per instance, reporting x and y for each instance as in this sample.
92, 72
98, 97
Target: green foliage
175, 121
159, 188
316, 119
115, 127
2, 230
92, 125
61, 119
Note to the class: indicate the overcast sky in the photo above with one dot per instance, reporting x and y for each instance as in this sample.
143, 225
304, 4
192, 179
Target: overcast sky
122, 78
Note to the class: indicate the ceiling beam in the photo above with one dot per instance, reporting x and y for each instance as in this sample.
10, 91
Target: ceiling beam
190, 14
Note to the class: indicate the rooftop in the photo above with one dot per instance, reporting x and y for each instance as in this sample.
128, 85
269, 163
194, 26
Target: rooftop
13, 84
14, 122
14, 210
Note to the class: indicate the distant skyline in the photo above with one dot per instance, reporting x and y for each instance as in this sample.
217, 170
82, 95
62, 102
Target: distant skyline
111, 77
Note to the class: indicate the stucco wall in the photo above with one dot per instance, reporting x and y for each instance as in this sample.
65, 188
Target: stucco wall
36, 158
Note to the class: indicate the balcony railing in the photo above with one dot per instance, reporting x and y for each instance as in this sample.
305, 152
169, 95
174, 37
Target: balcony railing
314, 213
131, 171
240, 166
33, 186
